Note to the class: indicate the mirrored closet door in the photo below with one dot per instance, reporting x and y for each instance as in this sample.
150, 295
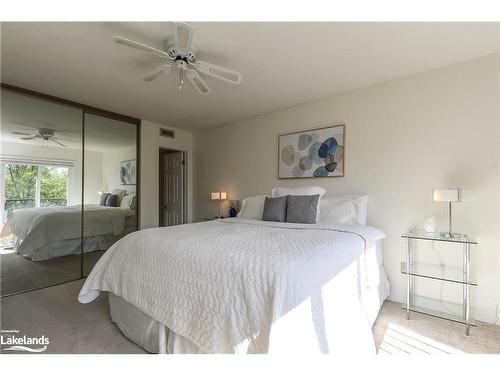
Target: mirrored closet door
110, 177
40, 187
68, 177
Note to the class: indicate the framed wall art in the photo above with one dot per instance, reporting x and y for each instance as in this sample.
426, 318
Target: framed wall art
312, 153
128, 172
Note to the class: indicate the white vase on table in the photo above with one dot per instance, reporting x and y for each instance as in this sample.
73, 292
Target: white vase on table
430, 224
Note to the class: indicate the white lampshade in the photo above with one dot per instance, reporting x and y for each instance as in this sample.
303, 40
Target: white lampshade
223, 195
446, 195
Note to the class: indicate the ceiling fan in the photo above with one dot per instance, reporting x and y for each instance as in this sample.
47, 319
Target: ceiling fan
46, 135
181, 49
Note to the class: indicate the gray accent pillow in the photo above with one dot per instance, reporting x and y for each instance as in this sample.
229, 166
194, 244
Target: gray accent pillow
104, 197
274, 209
112, 200
302, 208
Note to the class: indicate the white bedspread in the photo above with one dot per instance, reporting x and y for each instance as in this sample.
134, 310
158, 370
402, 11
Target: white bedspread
34, 228
226, 285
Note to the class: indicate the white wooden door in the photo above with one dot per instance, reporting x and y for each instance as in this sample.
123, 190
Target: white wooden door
173, 209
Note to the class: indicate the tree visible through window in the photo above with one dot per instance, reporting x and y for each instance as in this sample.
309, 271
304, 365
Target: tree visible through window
54, 186
20, 186
34, 186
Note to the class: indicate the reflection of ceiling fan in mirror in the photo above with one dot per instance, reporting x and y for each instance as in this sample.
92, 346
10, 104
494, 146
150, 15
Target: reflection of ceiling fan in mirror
46, 136
181, 50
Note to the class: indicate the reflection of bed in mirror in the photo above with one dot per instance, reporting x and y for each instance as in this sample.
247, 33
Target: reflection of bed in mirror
50, 232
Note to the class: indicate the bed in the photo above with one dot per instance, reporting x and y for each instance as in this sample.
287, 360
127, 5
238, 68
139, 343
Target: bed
50, 232
241, 285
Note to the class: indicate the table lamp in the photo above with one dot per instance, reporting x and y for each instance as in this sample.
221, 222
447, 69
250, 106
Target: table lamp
447, 195
218, 196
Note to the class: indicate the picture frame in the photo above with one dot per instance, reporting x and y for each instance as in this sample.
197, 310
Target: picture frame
128, 172
312, 153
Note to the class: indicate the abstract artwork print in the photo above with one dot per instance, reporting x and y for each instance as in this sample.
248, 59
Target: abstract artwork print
127, 172
312, 153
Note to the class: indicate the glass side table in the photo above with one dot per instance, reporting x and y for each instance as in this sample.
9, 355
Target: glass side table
460, 313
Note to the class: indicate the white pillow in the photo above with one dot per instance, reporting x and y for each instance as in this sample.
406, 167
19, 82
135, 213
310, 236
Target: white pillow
306, 190
252, 207
128, 201
344, 209
120, 193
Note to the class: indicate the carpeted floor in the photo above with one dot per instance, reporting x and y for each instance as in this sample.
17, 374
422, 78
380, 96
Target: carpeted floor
19, 274
71, 327
76, 328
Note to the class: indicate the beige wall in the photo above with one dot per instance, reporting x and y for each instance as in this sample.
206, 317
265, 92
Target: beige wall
150, 146
403, 138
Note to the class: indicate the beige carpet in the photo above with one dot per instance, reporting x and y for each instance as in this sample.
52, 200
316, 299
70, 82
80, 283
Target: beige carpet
71, 327
18, 274
76, 328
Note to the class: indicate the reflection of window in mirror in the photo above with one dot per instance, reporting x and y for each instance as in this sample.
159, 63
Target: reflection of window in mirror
20, 181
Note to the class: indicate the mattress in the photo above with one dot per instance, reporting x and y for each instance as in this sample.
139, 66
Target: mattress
155, 337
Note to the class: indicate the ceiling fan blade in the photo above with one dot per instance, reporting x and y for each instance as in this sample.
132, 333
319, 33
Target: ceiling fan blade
140, 46
20, 133
59, 143
184, 35
66, 139
158, 72
28, 138
225, 74
198, 82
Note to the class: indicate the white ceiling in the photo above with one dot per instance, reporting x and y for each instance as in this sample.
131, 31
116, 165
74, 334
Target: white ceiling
283, 64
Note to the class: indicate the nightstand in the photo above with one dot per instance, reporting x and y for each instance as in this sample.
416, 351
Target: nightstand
460, 313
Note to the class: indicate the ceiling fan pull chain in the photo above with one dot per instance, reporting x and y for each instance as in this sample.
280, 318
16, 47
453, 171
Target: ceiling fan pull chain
181, 78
